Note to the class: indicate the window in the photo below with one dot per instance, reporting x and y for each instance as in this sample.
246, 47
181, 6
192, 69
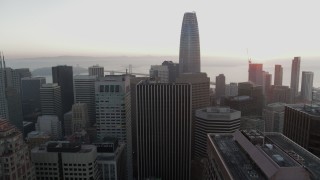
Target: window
101, 88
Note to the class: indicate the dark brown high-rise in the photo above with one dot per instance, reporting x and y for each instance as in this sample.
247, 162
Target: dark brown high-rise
63, 75
163, 130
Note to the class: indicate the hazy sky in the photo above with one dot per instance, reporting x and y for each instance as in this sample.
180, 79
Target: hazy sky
269, 29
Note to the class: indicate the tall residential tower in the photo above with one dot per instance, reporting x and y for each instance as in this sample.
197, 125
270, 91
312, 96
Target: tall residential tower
295, 74
278, 73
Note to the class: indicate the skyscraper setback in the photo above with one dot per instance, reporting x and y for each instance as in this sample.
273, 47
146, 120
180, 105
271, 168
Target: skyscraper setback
189, 57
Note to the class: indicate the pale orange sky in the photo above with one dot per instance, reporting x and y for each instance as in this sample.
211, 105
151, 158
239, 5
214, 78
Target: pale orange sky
269, 29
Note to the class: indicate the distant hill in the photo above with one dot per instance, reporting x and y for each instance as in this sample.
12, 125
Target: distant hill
47, 71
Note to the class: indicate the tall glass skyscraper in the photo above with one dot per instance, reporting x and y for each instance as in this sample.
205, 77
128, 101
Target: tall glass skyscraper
189, 57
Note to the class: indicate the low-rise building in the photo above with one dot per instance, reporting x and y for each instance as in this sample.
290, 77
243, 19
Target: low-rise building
65, 160
253, 155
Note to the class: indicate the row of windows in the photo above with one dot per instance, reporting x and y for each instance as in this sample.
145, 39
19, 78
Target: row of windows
46, 164
44, 168
65, 164
109, 88
46, 173
75, 169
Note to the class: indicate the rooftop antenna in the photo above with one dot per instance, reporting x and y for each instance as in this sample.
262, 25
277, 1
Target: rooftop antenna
0, 61
249, 59
4, 62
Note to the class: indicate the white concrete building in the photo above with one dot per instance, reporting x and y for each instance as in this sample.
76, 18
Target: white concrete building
64, 160
51, 125
111, 159
111, 95
306, 85
96, 71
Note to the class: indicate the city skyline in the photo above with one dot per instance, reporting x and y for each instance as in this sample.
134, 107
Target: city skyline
110, 29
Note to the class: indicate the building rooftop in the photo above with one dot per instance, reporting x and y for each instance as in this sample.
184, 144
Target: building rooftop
312, 109
38, 134
84, 77
253, 155
237, 161
241, 98
50, 85
299, 154
26, 123
63, 146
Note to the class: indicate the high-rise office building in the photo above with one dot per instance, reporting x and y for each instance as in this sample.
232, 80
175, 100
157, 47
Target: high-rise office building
30, 92
295, 75
96, 71
278, 73
301, 124
50, 99
111, 159
84, 93
13, 98
12, 79
273, 116
213, 120
65, 160
200, 85
3, 100
14, 154
63, 76
267, 81
111, 95
231, 90
256, 99
280, 94
132, 129
14, 107
80, 118
255, 73
51, 125
189, 56
165, 73
306, 85
220, 86
163, 130
253, 155
159, 72
23, 72
173, 70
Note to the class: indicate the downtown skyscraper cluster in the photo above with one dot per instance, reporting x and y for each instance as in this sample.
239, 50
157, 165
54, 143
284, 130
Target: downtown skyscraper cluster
170, 125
